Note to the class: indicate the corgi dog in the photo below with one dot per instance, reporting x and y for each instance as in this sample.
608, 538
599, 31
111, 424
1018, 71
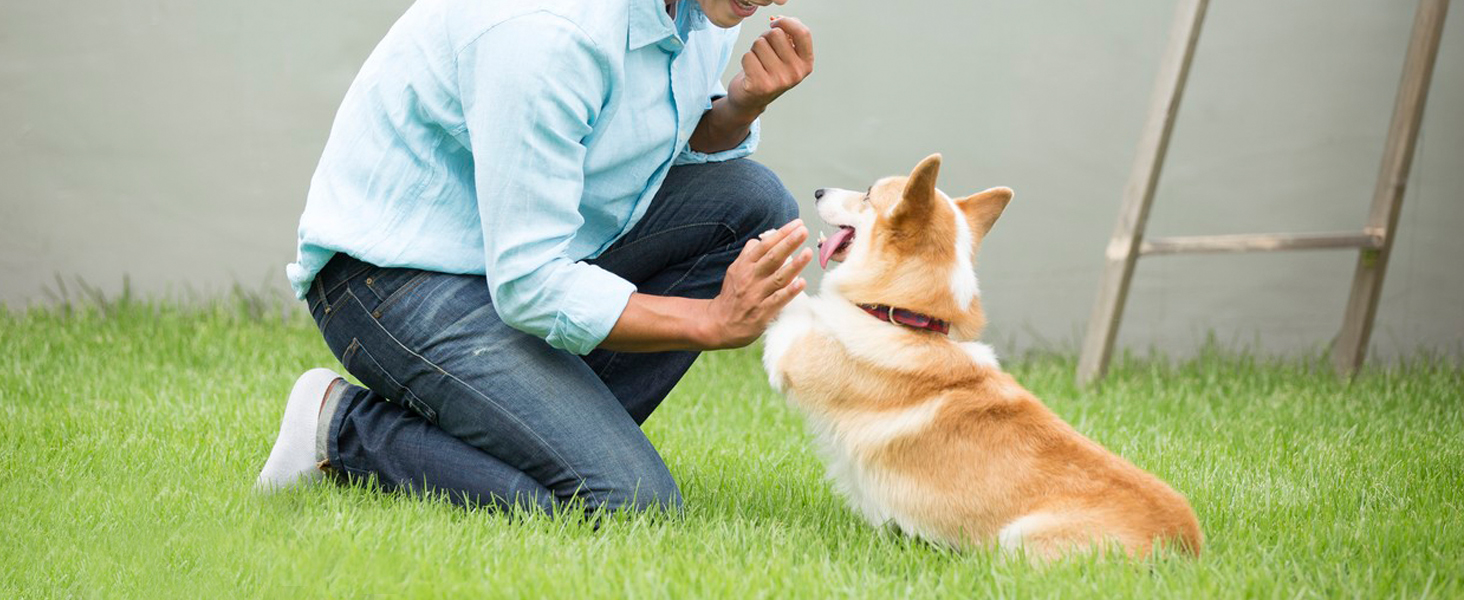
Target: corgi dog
919, 425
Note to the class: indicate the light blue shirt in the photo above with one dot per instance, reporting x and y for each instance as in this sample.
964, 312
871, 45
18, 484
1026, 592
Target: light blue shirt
514, 140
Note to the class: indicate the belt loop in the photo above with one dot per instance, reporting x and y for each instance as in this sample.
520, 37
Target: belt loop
320, 285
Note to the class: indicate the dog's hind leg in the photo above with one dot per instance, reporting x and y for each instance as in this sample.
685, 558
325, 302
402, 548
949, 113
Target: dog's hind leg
1043, 537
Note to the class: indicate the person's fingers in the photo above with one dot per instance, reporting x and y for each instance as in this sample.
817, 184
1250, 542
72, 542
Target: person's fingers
783, 46
789, 271
763, 49
777, 300
760, 245
780, 251
752, 69
748, 254
801, 36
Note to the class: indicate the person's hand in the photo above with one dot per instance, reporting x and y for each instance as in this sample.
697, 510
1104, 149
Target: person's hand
758, 284
780, 58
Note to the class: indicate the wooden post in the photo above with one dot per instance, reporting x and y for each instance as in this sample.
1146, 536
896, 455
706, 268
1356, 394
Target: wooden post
1372, 263
1123, 248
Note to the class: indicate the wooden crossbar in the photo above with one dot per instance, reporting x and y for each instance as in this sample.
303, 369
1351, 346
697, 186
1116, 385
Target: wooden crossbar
1258, 242
1374, 242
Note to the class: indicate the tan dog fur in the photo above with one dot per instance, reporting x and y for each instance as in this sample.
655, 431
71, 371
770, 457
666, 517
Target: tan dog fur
925, 430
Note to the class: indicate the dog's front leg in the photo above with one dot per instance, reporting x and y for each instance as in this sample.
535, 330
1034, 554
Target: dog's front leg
791, 324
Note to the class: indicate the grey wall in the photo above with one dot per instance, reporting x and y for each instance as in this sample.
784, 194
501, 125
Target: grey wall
173, 142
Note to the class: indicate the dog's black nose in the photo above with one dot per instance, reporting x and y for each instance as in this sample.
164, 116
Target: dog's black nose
818, 194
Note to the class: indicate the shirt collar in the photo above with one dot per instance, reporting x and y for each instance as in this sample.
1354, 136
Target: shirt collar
649, 23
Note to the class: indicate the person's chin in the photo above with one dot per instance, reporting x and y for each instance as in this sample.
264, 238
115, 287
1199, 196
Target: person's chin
725, 15
725, 21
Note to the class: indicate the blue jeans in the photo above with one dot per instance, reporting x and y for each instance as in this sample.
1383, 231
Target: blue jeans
460, 404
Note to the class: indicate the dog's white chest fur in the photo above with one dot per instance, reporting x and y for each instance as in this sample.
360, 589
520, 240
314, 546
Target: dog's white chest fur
849, 439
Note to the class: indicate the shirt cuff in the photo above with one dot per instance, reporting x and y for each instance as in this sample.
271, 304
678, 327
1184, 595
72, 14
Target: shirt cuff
592, 305
746, 148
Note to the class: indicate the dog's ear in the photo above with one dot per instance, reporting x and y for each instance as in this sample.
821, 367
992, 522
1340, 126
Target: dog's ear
983, 208
920, 197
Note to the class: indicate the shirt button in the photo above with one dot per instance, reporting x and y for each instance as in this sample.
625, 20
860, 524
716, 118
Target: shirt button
370, 280
376, 315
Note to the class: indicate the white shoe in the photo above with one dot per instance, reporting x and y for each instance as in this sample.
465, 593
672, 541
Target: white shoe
292, 462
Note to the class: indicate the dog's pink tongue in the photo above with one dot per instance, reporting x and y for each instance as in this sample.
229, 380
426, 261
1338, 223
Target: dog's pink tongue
829, 246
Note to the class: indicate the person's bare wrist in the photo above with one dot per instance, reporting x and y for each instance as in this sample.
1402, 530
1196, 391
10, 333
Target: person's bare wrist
703, 333
744, 113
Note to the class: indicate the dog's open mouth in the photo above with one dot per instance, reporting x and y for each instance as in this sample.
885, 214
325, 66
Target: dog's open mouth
835, 247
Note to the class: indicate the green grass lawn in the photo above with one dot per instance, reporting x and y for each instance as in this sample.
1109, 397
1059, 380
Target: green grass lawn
129, 441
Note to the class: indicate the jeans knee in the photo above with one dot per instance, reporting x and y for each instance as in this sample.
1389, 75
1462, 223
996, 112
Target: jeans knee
761, 199
649, 492
664, 497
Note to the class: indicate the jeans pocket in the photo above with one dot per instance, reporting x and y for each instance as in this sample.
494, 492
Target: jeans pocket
360, 363
389, 285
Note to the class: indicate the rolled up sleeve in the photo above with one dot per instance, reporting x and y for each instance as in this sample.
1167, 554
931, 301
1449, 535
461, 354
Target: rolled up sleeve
531, 89
687, 156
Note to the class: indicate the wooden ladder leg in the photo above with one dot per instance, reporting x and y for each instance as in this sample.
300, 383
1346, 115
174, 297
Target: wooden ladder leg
1138, 195
1372, 263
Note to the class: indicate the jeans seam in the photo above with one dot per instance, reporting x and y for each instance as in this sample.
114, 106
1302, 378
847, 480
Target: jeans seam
545, 443
409, 398
401, 292
609, 366
362, 268
730, 231
689, 271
